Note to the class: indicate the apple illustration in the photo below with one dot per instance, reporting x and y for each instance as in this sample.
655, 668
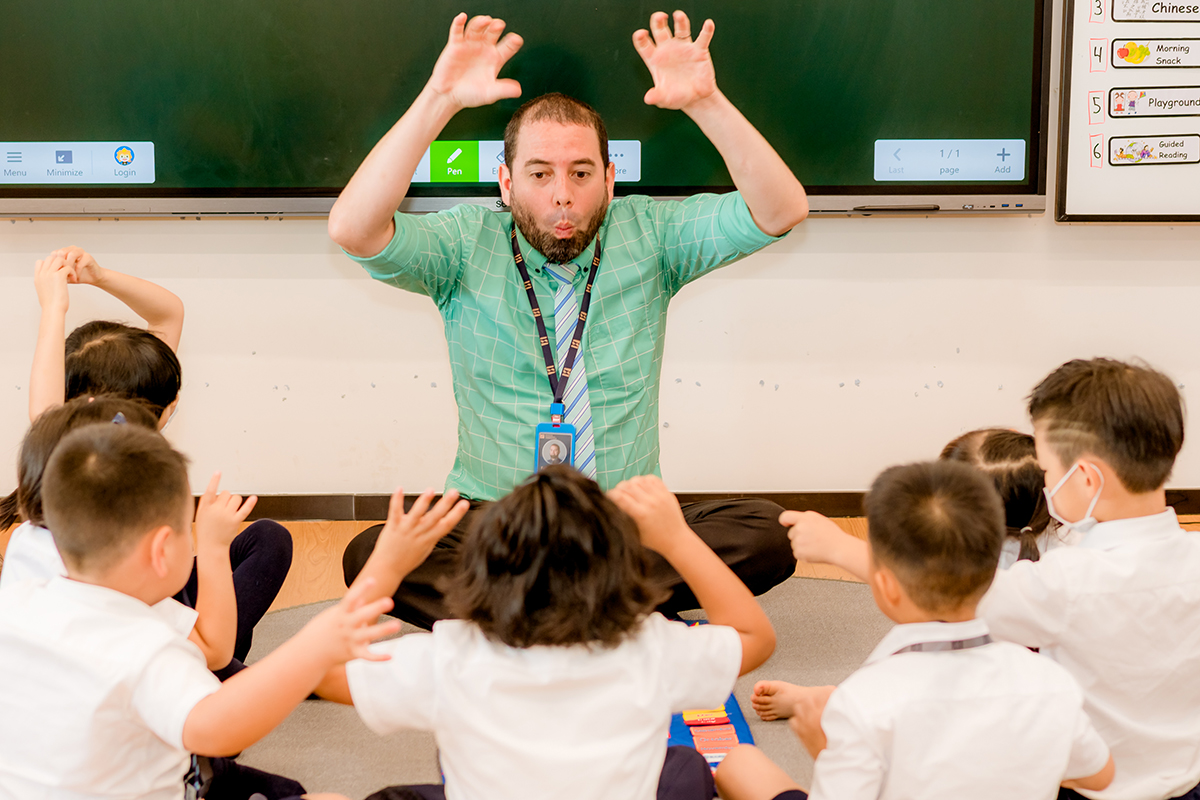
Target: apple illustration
1123, 52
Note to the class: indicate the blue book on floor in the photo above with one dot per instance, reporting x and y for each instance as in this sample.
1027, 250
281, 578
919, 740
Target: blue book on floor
712, 741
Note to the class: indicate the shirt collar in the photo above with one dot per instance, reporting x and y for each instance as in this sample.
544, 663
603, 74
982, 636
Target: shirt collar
536, 262
902, 636
1114, 533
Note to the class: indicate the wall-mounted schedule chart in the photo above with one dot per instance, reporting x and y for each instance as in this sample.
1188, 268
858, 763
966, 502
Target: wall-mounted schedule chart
1130, 132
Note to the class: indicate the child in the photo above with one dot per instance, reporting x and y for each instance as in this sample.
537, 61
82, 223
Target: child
1010, 458
31, 552
102, 357
100, 692
232, 584
1121, 610
559, 679
939, 710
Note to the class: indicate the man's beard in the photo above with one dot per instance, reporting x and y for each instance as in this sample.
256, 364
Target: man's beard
556, 251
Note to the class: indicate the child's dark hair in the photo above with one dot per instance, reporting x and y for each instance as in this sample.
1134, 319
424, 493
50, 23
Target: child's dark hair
1128, 414
112, 358
1009, 458
106, 486
46, 432
939, 526
554, 563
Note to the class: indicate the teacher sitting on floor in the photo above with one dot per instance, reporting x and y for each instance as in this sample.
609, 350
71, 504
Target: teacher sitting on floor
556, 313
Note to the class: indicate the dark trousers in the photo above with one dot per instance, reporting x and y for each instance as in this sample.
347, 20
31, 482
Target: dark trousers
233, 781
1071, 794
744, 532
685, 776
261, 556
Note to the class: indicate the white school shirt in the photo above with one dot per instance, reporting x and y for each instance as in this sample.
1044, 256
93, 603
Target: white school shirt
95, 687
1121, 611
546, 723
31, 554
995, 721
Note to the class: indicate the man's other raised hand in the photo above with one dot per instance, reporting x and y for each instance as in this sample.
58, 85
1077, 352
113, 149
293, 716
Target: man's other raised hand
682, 69
466, 71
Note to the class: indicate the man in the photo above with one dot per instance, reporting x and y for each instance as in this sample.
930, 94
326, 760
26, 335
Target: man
579, 341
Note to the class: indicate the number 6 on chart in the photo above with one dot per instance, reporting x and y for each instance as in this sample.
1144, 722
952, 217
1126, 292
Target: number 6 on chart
1097, 141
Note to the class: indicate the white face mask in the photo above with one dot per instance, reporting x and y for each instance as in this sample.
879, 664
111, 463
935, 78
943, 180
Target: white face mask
1088, 522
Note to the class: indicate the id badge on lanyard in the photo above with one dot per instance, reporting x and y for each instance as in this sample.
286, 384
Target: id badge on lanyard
554, 441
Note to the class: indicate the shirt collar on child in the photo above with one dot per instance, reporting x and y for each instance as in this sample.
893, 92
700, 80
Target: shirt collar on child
912, 633
1107, 535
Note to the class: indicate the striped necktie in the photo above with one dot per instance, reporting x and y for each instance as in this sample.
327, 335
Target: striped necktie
575, 400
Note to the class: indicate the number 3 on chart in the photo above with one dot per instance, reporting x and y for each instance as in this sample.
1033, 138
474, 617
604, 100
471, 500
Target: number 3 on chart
1097, 11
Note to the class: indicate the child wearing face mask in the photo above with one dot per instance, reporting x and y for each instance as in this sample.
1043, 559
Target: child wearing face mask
1121, 610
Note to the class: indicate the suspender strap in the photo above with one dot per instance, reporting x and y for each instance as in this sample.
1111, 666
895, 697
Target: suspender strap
940, 647
557, 387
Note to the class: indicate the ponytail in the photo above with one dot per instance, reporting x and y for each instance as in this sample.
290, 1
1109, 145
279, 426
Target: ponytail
9, 512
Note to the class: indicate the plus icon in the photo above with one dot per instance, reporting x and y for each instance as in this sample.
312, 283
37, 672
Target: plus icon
1004, 154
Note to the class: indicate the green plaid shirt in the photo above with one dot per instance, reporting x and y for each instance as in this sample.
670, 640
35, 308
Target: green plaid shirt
462, 259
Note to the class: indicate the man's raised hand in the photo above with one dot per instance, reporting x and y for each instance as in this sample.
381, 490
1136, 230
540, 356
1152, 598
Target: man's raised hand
682, 69
467, 70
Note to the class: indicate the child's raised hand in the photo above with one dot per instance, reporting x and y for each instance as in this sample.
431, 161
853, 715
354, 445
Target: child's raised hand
648, 501
410, 537
806, 716
219, 515
84, 268
50, 278
345, 631
814, 537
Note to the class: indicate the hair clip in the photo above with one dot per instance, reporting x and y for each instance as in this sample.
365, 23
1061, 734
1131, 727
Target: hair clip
119, 419
1027, 529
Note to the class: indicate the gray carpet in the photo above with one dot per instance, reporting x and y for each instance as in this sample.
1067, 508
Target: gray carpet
825, 630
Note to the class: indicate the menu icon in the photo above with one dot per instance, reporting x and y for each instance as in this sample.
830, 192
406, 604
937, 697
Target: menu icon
14, 156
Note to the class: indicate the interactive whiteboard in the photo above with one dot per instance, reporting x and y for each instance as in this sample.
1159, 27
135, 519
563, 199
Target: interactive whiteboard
1130, 132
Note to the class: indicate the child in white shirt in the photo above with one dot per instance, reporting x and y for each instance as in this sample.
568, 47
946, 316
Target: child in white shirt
939, 711
1009, 459
103, 357
33, 555
101, 693
1121, 610
559, 678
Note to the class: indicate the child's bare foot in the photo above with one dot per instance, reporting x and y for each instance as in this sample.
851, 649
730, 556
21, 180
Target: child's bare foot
775, 699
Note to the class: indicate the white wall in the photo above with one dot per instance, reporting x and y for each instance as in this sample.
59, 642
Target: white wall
851, 345
304, 376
